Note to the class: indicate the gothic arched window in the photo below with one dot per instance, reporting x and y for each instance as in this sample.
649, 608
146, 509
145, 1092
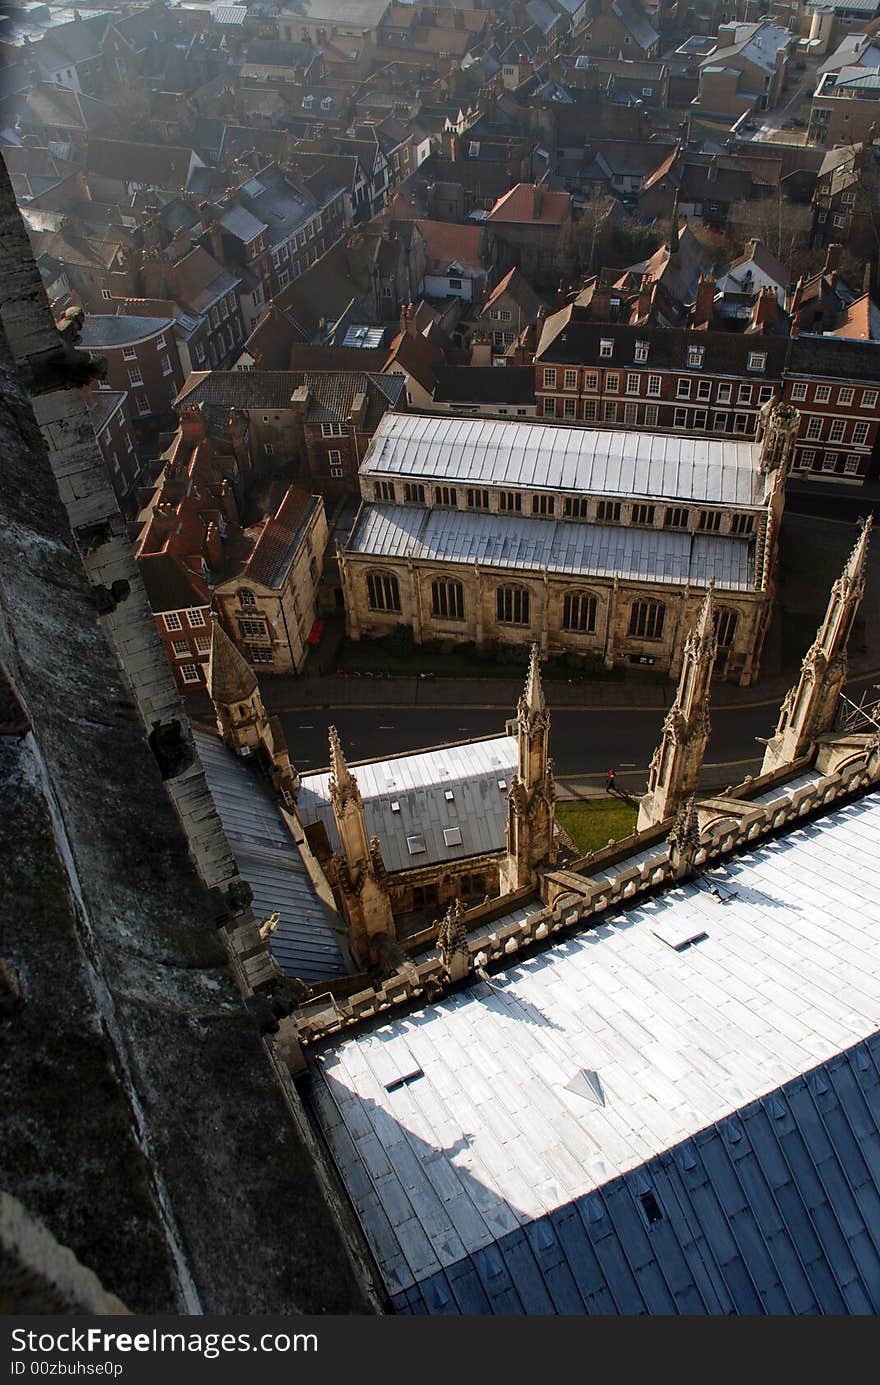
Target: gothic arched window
646, 619
579, 612
383, 593
447, 598
514, 606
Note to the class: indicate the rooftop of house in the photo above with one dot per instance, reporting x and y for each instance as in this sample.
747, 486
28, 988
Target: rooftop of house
106, 330
759, 43
516, 286
171, 585
153, 165
559, 1137
538, 456
103, 404
568, 338
331, 392
528, 204
427, 807
448, 245
469, 384
280, 535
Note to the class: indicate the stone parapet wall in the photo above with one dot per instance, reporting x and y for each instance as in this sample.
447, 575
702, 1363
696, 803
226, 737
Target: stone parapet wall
592, 900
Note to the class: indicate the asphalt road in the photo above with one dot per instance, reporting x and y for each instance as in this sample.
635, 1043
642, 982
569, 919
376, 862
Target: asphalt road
584, 743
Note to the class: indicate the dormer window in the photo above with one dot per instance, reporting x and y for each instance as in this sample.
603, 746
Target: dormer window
695, 357
641, 350
757, 360
606, 348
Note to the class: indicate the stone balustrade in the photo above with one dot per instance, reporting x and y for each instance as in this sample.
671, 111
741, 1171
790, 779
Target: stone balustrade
592, 899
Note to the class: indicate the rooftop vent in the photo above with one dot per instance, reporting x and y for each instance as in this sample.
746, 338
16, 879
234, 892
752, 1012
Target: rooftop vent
449, 796
395, 807
586, 1084
502, 783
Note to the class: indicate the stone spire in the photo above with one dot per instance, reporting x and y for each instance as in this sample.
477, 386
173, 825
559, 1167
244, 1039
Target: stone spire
809, 708
230, 676
357, 875
675, 766
530, 840
242, 719
343, 785
533, 694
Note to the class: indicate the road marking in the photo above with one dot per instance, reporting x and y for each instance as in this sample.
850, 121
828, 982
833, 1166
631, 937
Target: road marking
627, 764
386, 728
307, 728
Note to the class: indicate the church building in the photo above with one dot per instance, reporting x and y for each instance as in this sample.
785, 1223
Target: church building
596, 544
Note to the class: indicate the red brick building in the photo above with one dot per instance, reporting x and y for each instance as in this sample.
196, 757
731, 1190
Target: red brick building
109, 414
666, 379
142, 359
834, 383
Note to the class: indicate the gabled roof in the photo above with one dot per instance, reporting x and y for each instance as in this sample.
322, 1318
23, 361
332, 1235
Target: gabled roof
280, 537
634, 19
416, 356
169, 585
156, 165
448, 244
517, 287
856, 323
519, 206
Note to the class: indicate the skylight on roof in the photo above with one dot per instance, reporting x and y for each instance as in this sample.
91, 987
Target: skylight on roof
416, 844
679, 933
502, 783
452, 836
395, 807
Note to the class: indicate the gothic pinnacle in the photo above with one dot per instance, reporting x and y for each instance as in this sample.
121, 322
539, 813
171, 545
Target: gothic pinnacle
533, 694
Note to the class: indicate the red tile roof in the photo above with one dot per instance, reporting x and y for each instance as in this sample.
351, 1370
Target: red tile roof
447, 243
274, 546
518, 205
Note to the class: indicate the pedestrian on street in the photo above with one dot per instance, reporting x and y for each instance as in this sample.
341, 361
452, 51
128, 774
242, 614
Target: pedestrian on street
609, 782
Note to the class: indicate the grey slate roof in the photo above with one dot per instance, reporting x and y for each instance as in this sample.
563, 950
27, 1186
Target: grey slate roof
535, 545
731, 1163
304, 943
418, 784
105, 329
553, 457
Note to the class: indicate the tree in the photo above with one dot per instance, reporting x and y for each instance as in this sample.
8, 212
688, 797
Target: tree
784, 227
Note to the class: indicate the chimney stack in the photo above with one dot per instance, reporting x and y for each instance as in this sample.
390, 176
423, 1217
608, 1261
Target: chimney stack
213, 547
704, 306
193, 429
538, 202
764, 310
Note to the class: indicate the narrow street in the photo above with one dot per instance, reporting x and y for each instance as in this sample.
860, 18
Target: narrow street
585, 742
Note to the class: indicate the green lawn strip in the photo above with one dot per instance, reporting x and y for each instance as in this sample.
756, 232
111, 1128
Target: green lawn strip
591, 823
